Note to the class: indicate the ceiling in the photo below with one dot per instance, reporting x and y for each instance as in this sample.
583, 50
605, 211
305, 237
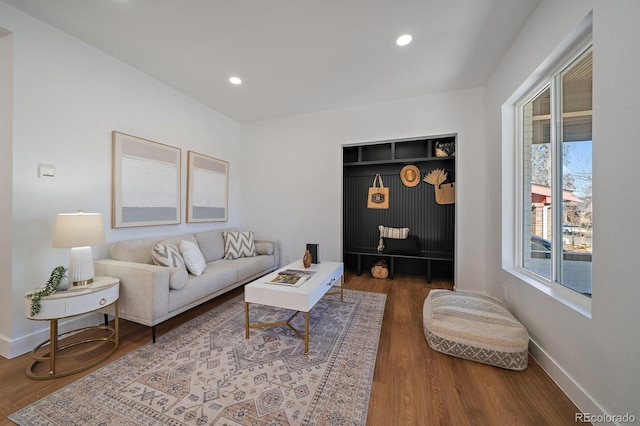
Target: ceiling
296, 56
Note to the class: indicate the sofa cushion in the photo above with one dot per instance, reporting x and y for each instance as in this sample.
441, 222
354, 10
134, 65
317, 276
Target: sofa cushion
211, 245
165, 253
192, 256
214, 279
238, 244
248, 267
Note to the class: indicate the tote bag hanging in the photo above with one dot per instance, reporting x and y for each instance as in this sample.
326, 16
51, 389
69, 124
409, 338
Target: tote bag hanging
446, 193
378, 194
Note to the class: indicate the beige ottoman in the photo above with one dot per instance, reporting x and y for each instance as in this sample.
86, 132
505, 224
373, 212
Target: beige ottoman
474, 327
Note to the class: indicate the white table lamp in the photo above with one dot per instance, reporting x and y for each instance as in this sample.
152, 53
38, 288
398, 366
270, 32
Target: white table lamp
79, 231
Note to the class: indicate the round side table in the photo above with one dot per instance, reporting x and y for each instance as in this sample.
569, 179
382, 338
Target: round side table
102, 293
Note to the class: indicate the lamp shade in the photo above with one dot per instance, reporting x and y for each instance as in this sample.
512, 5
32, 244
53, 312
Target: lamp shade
78, 230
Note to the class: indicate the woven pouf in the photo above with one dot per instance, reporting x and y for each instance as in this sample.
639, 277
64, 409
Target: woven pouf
474, 327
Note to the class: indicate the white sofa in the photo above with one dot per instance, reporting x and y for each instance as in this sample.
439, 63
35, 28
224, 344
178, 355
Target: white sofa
151, 294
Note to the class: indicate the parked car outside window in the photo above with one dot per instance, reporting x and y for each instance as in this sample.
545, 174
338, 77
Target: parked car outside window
540, 244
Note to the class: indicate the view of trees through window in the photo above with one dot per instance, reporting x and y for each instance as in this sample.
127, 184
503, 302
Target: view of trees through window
557, 178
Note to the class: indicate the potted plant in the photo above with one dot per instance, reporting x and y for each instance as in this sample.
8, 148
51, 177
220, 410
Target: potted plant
58, 276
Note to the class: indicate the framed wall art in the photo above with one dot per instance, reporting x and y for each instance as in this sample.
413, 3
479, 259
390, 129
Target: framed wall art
207, 188
146, 182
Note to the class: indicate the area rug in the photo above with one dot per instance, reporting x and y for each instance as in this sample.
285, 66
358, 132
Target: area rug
205, 372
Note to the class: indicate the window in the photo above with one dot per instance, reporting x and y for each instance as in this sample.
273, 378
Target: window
556, 226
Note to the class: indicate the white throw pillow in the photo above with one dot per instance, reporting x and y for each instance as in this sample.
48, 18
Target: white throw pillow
238, 244
387, 232
193, 258
165, 253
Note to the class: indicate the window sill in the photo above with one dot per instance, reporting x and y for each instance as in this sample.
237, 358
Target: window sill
575, 301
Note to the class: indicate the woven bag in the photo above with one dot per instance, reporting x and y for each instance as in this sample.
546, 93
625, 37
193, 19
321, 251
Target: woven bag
380, 270
446, 193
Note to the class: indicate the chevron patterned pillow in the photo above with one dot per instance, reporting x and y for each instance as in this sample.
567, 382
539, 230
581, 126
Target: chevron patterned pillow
238, 244
165, 253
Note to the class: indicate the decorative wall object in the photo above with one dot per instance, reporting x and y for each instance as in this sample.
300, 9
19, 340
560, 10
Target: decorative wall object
378, 195
146, 182
410, 175
207, 188
445, 193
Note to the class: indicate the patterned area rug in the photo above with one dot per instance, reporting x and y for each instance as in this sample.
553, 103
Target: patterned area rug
205, 373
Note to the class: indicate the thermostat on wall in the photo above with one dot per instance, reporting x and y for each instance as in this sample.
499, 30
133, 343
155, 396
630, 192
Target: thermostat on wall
46, 171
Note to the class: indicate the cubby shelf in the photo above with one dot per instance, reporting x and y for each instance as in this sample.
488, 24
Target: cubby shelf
398, 161
400, 151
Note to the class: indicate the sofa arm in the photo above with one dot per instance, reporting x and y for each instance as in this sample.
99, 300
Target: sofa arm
144, 289
276, 250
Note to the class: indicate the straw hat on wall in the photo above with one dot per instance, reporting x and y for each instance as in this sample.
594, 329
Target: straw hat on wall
410, 175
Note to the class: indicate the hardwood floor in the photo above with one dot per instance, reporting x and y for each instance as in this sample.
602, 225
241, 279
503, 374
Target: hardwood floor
412, 384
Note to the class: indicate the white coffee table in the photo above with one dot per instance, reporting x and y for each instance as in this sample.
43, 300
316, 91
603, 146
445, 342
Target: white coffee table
299, 299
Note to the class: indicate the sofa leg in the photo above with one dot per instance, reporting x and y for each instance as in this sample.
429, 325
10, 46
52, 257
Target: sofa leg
153, 333
106, 320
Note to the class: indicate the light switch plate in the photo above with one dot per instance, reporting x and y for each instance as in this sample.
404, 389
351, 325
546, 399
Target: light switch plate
46, 171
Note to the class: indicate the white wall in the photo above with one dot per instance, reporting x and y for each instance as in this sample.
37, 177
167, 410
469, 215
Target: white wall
292, 171
68, 97
596, 361
6, 103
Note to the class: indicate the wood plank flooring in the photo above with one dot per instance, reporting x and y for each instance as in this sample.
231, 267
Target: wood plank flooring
412, 384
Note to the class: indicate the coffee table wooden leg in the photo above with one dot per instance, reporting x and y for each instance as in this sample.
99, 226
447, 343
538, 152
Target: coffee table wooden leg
306, 333
246, 320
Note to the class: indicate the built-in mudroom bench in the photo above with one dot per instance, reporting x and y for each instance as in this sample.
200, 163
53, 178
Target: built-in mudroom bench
365, 257
429, 246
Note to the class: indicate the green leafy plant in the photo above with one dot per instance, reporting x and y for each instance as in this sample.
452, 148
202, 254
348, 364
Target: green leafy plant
51, 287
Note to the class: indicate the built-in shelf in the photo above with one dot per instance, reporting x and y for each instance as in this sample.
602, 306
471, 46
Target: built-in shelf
400, 151
413, 207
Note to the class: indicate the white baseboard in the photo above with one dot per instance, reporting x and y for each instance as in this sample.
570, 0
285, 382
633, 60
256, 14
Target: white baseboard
576, 394
5, 346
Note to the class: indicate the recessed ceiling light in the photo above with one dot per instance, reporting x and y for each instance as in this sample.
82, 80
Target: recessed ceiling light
235, 80
403, 40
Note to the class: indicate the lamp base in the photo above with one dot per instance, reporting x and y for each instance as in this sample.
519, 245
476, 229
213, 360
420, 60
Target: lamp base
82, 283
81, 266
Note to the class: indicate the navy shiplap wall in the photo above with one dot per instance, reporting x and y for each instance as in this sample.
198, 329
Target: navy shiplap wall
411, 207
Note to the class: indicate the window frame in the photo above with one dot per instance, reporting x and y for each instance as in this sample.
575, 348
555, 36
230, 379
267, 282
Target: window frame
528, 92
